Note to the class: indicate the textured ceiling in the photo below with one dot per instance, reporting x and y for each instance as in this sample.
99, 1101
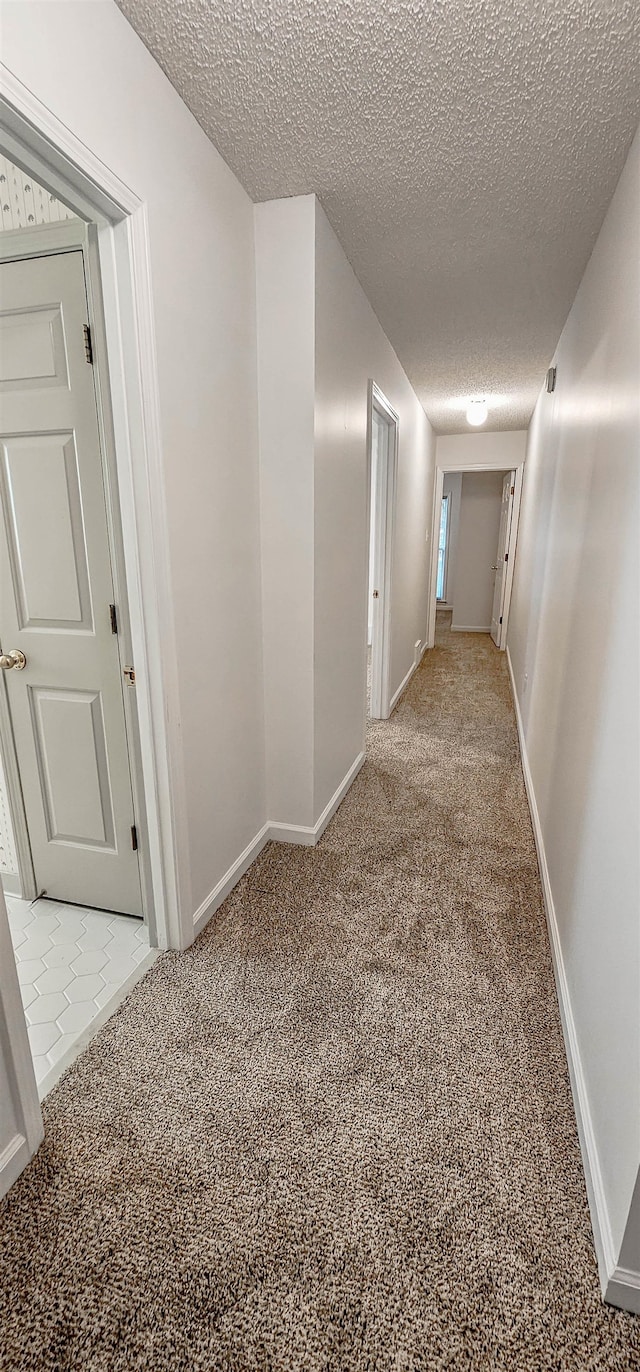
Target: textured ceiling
465, 152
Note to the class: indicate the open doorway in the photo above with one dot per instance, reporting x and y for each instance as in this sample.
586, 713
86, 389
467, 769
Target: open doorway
474, 540
383, 449
71, 798
116, 259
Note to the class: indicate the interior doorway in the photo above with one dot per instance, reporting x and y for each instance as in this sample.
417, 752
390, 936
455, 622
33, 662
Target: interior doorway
71, 801
474, 542
116, 251
383, 450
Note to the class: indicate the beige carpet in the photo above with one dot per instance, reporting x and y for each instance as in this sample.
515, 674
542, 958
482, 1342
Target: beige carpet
337, 1134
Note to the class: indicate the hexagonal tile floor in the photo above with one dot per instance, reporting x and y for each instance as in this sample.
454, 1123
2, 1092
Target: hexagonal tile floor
71, 964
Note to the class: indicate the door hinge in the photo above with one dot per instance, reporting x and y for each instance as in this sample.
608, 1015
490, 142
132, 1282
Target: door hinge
130, 674
513, 490
113, 615
506, 557
88, 345
134, 838
501, 619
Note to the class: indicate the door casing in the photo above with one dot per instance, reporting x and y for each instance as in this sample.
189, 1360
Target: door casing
380, 706
38, 142
502, 548
462, 466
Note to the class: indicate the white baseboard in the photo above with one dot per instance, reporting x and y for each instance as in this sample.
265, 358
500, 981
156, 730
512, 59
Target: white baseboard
11, 884
470, 628
308, 835
623, 1289
220, 892
303, 834
13, 1160
618, 1287
277, 833
405, 681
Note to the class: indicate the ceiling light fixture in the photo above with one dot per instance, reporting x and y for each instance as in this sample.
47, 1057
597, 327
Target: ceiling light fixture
477, 412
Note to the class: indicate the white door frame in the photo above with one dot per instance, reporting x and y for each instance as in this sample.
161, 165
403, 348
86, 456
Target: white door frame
462, 466
33, 138
21, 1123
380, 704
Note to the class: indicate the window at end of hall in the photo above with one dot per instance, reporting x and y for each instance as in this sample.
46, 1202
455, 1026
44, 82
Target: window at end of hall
441, 580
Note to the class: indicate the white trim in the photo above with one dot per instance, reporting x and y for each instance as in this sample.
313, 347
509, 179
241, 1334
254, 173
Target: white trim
512, 543
13, 1160
470, 628
438, 491
462, 465
38, 142
302, 834
108, 450
308, 835
15, 803
405, 682
15, 1053
131, 341
623, 1289
601, 1225
237, 870
10, 882
386, 481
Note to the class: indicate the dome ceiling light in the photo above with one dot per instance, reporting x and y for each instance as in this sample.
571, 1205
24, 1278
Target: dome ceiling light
477, 412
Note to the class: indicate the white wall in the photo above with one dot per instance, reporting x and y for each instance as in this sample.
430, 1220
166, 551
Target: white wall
285, 275
470, 449
319, 344
574, 644
476, 548
89, 67
351, 349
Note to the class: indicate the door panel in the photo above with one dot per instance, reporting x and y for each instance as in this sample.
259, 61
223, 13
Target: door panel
32, 349
68, 729
43, 519
503, 544
66, 705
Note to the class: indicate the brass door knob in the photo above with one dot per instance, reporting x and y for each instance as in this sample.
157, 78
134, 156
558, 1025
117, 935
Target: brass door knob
14, 659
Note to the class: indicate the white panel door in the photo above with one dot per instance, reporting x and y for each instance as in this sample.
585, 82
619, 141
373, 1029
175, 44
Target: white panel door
500, 568
56, 590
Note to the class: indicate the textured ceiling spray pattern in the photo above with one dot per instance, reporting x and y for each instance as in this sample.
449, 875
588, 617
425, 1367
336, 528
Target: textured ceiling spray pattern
465, 152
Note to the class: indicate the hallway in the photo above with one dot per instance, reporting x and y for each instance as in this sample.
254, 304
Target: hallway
356, 1147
